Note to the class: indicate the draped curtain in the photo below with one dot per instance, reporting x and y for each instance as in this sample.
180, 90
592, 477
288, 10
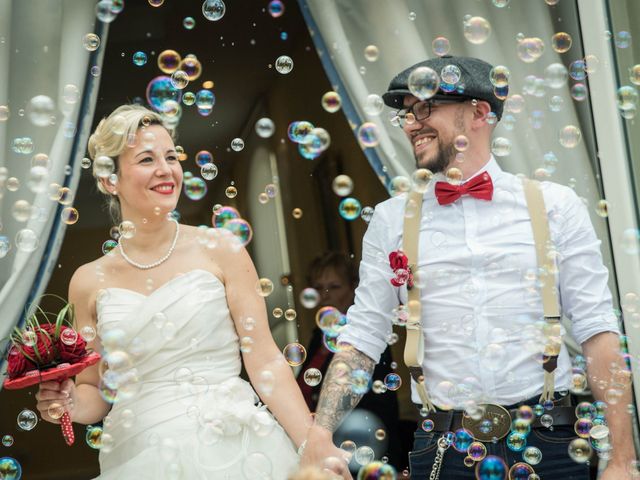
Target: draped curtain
42, 52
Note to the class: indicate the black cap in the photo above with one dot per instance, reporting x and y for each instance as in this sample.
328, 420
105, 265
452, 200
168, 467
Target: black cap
475, 82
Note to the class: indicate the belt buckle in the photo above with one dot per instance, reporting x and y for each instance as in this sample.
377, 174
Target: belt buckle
494, 423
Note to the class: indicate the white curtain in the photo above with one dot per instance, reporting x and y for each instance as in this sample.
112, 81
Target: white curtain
42, 53
403, 32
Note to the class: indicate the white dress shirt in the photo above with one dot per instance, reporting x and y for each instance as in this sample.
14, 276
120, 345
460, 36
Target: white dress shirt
481, 305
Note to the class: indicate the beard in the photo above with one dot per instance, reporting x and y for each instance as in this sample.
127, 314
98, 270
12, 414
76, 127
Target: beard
441, 160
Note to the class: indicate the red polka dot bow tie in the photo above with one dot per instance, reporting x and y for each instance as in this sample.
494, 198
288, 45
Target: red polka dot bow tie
480, 186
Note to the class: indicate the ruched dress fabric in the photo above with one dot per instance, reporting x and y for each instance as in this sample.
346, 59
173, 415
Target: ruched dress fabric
181, 409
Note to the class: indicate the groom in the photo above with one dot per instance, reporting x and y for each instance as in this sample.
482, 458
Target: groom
476, 251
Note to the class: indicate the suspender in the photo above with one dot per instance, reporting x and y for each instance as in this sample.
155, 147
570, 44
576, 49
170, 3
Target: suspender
414, 347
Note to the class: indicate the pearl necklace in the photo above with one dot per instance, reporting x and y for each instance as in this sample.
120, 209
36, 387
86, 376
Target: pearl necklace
154, 264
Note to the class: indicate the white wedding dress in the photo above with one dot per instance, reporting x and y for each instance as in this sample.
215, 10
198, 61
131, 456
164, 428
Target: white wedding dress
181, 410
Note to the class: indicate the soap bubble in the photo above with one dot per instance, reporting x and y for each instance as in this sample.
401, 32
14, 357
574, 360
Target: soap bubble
627, 98
440, 46
40, 110
179, 79
139, 58
371, 53
265, 127
159, 91
10, 469
342, 185
295, 354
27, 420
331, 102
264, 287
169, 61
209, 171
530, 49
27, 241
213, 10
423, 82
189, 23
570, 136
580, 450
499, 76
491, 467
91, 42
476, 30
368, 134
104, 11
349, 208
237, 144
284, 64
556, 75
578, 70
561, 42
312, 377
373, 105
191, 66
501, 147
275, 8
622, 39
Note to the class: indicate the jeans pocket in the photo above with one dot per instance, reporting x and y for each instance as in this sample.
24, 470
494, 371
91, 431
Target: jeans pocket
422, 457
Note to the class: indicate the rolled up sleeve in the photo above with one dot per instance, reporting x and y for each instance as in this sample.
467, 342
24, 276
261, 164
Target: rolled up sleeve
369, 318
584, 291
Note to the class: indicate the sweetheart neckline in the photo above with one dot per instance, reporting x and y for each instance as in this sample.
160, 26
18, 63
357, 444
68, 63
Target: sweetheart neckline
177, 277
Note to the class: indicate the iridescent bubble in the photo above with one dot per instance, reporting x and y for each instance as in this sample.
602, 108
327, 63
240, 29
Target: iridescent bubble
26, 240
237, 144
556, 75
91, 42
7, 441
561, 42
295, 354
309, 298
189, 23
296, 213
156, 3
622, 39
371, 53
10, 469
501, 146
108, 245
570, 136
580, 450
284, 64
477, 451
159, 91
188, 98
514, 103
499, 76
634, 74
169, 61
501, 3
264, 287
271, 190
423, 82
349, 208
27, 420
521, 471
223, 215
213, 10
393, 381
476, 30
104, 11
209, 171
342, 185
440, 46
331, 102
275, 8
195, 188
69, 215
317, 141
491, 468
582, 427
312, 377
579, 92
203, 157
368, 135
530, 49
191, 66
532, 455
555, 103
298, 131
290, 314
578, 70
205, 100
241, 230
5, 246
373, 105
40, 110
179, 79
265, 127
231, 191
627, 98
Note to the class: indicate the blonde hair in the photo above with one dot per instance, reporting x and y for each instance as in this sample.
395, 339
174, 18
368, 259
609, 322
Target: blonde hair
112, 136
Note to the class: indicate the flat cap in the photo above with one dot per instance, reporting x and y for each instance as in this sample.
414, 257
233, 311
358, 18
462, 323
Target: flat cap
474, 82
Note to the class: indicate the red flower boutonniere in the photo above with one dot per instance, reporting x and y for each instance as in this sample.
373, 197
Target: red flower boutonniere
400, 265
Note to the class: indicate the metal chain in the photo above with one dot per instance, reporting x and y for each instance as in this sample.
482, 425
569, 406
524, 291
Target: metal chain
437, 464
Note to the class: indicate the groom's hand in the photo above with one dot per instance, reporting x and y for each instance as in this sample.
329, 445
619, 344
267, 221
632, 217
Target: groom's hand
321, 452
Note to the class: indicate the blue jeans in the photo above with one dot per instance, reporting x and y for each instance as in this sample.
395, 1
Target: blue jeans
555, 464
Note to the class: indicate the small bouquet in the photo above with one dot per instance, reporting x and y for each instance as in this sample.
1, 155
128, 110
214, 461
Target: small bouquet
45, 351
400, 265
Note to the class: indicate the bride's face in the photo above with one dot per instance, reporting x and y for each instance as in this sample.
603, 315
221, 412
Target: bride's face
150, 174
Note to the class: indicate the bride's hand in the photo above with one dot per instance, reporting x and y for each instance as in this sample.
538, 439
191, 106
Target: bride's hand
321, 452
52, 397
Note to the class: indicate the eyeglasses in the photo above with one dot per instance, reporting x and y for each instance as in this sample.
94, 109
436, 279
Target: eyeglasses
421, 110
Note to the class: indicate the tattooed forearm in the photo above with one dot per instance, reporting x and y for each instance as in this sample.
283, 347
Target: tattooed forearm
344, 385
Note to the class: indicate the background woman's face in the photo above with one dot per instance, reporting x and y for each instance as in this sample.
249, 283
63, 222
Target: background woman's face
335, 289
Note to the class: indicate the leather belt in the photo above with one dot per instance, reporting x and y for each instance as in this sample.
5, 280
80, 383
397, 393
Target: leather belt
452, 420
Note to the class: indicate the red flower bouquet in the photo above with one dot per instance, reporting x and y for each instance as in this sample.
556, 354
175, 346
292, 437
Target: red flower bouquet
400, 265
46, 351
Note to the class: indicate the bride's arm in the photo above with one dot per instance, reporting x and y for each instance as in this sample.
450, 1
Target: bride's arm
269, 372
80, 398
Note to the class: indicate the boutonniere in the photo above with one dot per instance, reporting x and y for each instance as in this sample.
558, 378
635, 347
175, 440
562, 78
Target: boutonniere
400, 265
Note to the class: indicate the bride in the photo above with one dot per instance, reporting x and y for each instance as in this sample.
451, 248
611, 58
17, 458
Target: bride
170, 305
